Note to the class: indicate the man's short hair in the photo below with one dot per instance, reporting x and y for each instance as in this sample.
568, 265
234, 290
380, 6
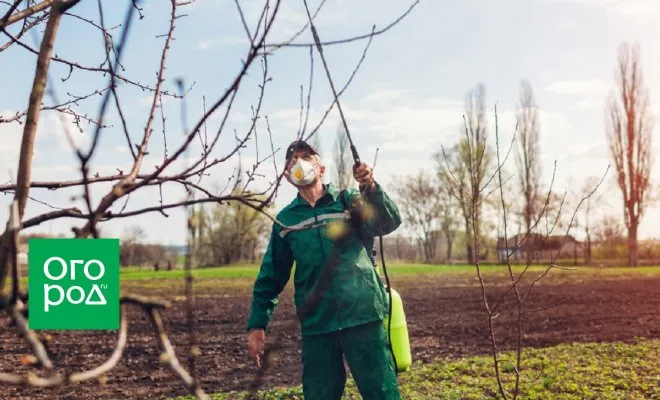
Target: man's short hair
299, 145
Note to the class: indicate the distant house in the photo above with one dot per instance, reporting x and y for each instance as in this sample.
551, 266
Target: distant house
536, 247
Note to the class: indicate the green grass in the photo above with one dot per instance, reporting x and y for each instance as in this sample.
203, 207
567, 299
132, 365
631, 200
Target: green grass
250, 271
470, 269
231, 272
242, 276
589, 371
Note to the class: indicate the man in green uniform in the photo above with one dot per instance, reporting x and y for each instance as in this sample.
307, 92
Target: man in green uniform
341, 313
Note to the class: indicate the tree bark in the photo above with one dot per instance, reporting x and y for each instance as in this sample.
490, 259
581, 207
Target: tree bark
588, 255
450, 244
30, 130
632, 244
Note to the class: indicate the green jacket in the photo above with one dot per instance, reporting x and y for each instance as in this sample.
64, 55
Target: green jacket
355, 294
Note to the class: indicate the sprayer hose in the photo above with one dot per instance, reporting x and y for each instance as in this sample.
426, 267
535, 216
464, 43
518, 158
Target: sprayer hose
389, 292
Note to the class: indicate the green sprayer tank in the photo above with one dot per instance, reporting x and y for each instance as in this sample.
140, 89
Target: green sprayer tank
399, 334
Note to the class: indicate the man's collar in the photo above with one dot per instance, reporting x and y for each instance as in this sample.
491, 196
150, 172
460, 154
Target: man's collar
332, 190
328, 189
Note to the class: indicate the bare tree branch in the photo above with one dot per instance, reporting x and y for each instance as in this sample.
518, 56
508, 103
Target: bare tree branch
352, 38
170, 359
10, 19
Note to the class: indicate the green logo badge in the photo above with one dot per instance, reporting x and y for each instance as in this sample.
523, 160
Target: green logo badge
73, 284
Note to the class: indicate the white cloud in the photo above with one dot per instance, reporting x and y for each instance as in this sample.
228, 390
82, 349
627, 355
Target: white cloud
655, 110
55, 172
407, 135
638, 9
585, 104
235, 117
51, 125
63, 126
579, 87
225, 41
289, 119
10, 145
555, 133
199, 4
384, 96
419, 122
147, 101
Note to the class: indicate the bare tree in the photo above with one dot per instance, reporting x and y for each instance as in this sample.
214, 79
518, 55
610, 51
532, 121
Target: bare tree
449, 219
342, 160
175, 167
468, 164
123, 184
629, 130
230, 233
132, 236
521, 291
609, 230
420, 201
609, 235
527, 153
591, 204
400, 248
454, 170
550, 212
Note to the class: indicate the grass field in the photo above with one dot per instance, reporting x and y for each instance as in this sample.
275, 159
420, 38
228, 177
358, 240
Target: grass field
415, 271
565, 372
238, 278
250, 271
605, 345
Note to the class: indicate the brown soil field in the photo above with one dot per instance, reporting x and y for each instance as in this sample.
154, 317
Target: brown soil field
444, 320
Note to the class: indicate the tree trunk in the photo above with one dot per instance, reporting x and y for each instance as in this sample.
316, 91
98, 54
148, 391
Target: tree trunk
529, 255
588, 252
450, 243
632, 244
468, 240
470, 255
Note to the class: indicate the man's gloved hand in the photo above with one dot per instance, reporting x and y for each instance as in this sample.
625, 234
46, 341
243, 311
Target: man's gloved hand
364, 175
256, 339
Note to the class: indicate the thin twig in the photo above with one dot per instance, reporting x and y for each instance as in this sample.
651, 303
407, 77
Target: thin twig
353, 38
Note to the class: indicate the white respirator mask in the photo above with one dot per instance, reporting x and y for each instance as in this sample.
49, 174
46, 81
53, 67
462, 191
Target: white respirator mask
303, 173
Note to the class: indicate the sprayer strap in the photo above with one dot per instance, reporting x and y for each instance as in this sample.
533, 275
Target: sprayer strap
313, 222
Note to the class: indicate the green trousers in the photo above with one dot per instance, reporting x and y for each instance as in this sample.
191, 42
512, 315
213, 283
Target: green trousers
367, 354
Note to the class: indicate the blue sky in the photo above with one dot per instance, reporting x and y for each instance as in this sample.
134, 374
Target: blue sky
407, 98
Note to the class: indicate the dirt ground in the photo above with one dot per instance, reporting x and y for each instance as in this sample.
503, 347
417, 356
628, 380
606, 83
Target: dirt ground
443, 321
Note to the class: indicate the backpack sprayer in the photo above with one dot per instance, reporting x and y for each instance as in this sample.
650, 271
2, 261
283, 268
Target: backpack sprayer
399, 343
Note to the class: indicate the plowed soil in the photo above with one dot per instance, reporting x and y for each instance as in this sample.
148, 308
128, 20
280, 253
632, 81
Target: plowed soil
444, 320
